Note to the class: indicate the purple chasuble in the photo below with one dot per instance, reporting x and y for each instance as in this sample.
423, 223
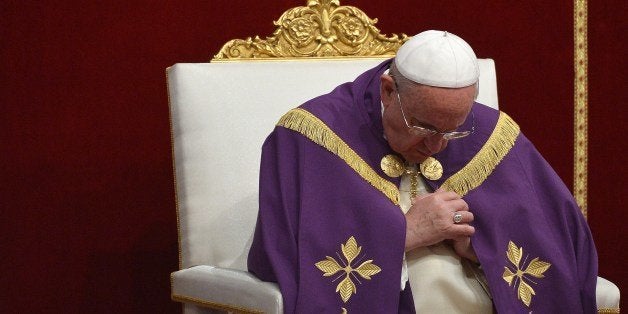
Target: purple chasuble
334, 242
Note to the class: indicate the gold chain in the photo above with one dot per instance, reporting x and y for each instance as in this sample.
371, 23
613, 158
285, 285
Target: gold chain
412, 171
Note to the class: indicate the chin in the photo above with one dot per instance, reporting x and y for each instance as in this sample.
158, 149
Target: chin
415, 157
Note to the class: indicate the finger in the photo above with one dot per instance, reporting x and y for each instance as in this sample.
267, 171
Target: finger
446, 195
461, 239
419, 197
463, 230
457, 205
465, 217
446, 211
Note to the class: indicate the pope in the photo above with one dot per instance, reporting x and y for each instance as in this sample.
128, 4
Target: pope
398, 193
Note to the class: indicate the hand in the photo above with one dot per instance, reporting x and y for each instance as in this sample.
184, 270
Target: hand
430, 220
462, 246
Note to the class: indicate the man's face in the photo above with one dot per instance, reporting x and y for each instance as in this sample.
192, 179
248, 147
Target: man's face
439, 109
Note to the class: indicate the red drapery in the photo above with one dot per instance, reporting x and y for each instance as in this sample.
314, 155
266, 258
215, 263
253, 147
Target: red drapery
87, 194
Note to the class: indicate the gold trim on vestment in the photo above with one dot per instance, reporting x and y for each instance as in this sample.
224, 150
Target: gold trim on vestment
431, 168
316, 130
520, 276
484, 162
580, 105
330, 267
608, 311
392, 165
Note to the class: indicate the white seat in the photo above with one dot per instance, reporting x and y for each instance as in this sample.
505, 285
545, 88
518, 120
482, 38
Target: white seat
607, 296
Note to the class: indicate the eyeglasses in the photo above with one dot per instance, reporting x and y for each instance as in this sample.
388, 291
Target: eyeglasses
427, 132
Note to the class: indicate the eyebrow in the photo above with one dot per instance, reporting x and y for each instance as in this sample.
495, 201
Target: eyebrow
415, 122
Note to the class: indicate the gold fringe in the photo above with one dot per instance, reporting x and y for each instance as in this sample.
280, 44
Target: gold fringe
484, 162
608, 310
316, 130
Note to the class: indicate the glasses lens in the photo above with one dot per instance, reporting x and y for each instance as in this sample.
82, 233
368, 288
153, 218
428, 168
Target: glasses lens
420, 132
455, 135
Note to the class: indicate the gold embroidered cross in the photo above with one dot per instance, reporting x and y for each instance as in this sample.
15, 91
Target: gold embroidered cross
535, 268
350, 250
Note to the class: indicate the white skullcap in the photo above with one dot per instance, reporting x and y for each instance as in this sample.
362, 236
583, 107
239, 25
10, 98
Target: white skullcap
438, 58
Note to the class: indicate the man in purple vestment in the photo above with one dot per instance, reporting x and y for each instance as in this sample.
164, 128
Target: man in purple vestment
332, 228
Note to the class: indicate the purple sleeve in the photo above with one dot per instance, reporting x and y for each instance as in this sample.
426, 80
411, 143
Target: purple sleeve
524, 201
560, 202
273, 255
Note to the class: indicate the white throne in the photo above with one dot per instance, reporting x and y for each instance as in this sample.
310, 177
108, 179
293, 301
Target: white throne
221, 113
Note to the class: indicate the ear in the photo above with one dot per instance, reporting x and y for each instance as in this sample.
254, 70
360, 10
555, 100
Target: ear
387, 89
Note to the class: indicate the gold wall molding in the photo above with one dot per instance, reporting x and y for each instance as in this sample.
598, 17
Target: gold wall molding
322, 28
580, 104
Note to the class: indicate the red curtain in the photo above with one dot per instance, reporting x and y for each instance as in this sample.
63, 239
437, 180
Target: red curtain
88, 211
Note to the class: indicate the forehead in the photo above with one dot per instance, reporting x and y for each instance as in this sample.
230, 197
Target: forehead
438, 106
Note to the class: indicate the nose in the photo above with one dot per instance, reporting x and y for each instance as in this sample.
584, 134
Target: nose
435, 143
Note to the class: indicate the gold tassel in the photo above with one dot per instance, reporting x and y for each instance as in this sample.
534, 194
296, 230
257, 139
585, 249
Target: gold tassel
313, 128
484, 162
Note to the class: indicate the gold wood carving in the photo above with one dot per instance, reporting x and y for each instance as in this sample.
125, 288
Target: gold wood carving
322, 28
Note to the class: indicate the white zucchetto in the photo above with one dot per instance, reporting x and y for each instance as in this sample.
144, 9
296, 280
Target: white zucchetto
438, 58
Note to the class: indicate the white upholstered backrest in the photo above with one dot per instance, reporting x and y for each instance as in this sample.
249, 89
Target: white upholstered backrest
221, 113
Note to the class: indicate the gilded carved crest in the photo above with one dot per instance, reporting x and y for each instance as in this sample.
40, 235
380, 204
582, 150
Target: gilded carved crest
322, 28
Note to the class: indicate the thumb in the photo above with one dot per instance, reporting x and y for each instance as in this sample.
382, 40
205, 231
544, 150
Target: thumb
419, 196
441, 189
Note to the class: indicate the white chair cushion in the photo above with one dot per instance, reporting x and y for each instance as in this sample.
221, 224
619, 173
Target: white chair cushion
228, 289
607, 295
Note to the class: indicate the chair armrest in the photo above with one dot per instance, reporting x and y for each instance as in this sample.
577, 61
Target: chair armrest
607, 296
225, 289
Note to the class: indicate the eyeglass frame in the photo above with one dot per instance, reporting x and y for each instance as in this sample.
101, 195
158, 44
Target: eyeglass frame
427, 132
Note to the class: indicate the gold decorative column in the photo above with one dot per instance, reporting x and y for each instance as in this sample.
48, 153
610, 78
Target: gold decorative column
580, 104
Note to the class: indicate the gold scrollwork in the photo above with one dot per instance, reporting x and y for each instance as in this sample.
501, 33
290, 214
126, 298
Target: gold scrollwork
323, 28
